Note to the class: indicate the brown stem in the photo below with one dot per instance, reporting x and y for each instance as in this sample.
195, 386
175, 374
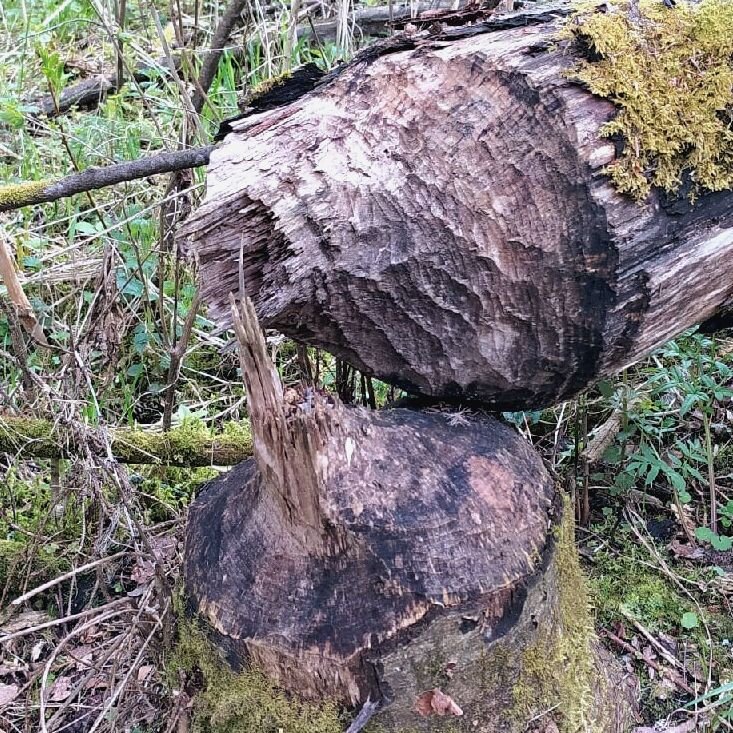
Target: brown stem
228, 23
16, 196
177, 353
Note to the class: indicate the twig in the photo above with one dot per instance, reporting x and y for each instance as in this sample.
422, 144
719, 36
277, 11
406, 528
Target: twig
120, 688
228, 23
57, 650
65, 620
654, 665
66, 576
176, 355
16, 196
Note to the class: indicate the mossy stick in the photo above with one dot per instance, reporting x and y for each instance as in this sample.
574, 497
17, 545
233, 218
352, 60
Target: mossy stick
190, 445
18, 195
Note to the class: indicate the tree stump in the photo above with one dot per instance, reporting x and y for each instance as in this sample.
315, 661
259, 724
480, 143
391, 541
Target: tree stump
436, 213
413, 563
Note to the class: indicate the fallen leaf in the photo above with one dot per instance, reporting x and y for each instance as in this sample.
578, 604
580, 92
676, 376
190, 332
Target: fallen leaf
143, 571
436, 702
688, 552
24, 621
60, 689
450, 668
144, 672
37, 650
8, 693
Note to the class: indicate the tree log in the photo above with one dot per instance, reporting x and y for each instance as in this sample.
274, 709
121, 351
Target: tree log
436, 214
413, 562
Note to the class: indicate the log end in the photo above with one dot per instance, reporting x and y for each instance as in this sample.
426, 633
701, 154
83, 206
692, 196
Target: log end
427, 519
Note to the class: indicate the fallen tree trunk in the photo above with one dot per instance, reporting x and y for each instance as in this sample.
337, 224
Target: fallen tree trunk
436, 214
411, 562
22, 437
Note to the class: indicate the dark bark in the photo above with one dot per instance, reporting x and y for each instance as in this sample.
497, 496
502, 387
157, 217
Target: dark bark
436, 214
230, 21
376, 556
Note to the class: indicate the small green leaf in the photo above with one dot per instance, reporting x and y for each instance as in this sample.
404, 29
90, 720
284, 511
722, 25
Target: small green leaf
606, 389
689, 620
704, 534
684, 496
722, 543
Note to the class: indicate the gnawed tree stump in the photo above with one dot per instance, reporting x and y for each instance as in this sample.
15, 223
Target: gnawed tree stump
436, 214
409, 561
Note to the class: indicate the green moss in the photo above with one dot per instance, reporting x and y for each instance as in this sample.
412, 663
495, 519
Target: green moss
557, 670
670, 74
242, 702
191, 444
15, 194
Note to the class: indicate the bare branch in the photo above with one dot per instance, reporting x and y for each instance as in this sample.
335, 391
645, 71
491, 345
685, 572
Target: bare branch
16, 196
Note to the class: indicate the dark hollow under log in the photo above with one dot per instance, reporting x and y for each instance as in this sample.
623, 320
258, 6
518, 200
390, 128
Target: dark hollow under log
394, 558
436, 214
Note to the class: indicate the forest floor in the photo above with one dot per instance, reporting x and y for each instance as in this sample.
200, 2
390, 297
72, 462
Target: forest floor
94, 636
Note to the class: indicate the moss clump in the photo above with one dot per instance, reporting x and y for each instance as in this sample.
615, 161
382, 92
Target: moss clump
242, 702
19, 194
670, 73
557, 670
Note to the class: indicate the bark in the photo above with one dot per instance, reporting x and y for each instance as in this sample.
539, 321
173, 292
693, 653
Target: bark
24, 438
436, 214
378, 556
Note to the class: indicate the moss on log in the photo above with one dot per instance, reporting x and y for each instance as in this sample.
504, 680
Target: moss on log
191, 444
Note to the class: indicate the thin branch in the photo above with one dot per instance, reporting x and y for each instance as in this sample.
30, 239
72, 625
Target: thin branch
228, 23
16, 196
176, 355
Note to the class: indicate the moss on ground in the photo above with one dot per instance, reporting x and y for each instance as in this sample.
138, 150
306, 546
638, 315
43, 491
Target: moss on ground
242, 702
670, 74
558, 670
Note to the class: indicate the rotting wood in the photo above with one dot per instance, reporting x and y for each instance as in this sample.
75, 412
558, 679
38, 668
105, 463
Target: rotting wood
189, 445
436, 214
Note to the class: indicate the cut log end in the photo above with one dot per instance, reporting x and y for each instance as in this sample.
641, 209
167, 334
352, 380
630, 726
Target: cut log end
437, 215
408, 559
419, 518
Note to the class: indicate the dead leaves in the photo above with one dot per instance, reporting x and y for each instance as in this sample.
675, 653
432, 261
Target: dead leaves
8, 693
436, 702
